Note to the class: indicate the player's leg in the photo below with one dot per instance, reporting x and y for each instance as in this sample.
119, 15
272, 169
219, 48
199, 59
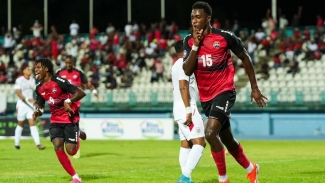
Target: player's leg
72, 140
217, 110
34, 130
58, 139
236, 150
21, 116
184, 150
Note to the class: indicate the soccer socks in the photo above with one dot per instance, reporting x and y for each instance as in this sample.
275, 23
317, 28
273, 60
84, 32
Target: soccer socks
193, 158
35, 135
220, 160
18, 132
65, 162
241, 158
183, 155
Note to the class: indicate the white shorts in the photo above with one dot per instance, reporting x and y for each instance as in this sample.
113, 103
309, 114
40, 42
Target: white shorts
24, 111
198, 129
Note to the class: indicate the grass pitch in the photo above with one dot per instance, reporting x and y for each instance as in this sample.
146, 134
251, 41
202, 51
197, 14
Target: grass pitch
157, 161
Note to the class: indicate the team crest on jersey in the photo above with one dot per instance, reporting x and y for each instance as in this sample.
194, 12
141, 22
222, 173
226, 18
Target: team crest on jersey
54, 90
216, 44
198, 130
63, 76
74, 76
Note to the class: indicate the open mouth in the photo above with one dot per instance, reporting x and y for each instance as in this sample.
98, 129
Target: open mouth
36, 75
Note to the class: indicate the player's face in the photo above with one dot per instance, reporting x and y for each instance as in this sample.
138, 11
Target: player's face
68, 64
27, 71
40, 71
199, 19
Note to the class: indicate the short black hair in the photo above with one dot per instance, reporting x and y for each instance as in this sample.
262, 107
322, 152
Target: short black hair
69, 57
178, 46
45, 62
203, 5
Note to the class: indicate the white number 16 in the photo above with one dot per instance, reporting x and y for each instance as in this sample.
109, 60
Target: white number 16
206, 59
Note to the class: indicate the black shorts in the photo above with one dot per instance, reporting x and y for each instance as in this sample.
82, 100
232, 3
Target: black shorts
67, 131
220, 107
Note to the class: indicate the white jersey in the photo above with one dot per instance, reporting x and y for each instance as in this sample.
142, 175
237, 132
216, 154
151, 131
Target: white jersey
179, 74
27, 86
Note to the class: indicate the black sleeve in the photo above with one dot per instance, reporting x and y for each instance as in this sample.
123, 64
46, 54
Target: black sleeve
83, 77
39, 99
187, 48
58, 72
65, 85
234, 43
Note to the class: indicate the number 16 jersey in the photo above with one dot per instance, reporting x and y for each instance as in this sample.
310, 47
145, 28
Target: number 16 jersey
214, 71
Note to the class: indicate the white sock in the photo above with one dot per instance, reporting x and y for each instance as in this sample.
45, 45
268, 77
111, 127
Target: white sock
76, 176
193, 159
250, 168
35, 135
18, 132
183, 156
223, 178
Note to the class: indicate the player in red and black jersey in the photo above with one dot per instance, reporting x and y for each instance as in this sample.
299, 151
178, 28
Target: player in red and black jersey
208, 58
75, 76
61, 96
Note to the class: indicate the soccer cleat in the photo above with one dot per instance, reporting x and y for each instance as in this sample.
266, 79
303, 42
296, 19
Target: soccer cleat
40, 147
75, 180
77, 155
82, 135
183, 179
252, 176
17, 147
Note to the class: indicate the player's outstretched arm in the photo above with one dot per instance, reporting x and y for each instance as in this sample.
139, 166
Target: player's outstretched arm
256, 94
91, 88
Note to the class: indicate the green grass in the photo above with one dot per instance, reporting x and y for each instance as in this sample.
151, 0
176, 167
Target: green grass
157, 161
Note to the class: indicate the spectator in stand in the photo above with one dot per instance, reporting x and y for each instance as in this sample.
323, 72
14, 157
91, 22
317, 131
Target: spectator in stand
266, 44
307, 33
3, 78
259, 35
93, 32
173, 30
265, 70
277, 61
294, 67
319, 25
9, 42
17, 35
116, 42
110, 82
159, 68
74, 29
103, 39
162, 44
312, 48
216, 24
36, 28
271, 23
236, 28
128, 29
251, 47
296, 33
296, 18
298, 47
274, 35
110, 30
283, 23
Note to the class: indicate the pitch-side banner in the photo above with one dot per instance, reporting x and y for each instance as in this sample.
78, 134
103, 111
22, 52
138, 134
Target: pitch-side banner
128, 129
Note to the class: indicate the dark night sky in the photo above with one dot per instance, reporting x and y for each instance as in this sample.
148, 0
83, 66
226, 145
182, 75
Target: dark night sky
61, 12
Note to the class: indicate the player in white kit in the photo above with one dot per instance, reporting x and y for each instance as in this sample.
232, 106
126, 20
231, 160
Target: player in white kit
25, 86
187, 116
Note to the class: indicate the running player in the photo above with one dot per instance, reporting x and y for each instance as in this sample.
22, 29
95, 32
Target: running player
61, 97
25, 86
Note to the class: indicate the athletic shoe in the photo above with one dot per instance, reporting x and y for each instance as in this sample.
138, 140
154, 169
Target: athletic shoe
76, 181
82, 135
77, 155
183, 179
252, 176
17, 147
40, 147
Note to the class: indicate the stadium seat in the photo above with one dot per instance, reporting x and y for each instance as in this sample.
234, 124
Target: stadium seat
322, 98
87, 100
154, 98
274, 98
132, 99
109, 101
299, 98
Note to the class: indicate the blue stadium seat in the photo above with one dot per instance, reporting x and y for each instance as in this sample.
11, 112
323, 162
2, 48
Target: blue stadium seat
299, 98
322, 98
274, 98
88, 100
154, 98
109, 101
132, 99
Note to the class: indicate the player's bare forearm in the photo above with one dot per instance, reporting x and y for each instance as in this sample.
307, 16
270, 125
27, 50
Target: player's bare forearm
90, 86
190, 63
19, 94
248, 68
183, 87
78, 95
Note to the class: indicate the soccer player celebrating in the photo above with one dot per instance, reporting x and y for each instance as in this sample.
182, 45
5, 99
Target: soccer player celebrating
208, 57
25, 86
190, 123
77, 78
61, 97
